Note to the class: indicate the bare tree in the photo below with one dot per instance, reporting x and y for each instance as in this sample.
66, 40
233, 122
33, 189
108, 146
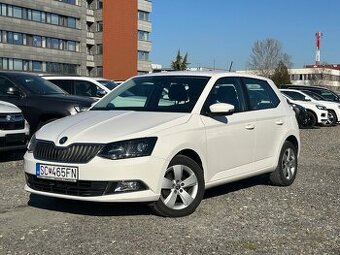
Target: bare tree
266, 55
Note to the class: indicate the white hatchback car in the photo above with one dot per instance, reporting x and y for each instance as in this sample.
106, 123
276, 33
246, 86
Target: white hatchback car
165, 138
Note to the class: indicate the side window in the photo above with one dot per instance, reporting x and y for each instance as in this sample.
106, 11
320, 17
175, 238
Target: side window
261, 95
66, 85
85, 88
227, 90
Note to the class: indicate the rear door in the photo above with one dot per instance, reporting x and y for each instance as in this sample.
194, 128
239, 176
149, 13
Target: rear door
270, 120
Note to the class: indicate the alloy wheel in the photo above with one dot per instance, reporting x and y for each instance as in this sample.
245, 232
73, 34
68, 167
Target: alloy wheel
289, 163
179, 187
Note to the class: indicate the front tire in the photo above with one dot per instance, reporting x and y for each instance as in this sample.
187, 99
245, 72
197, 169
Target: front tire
182, 188
285, 172
331, 119
311, 120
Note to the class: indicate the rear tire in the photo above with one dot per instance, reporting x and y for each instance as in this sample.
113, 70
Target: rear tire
285, 172
182, 188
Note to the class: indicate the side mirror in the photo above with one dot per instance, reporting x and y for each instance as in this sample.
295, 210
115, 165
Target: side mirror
307, 99
101, 92
221, 109
13, 91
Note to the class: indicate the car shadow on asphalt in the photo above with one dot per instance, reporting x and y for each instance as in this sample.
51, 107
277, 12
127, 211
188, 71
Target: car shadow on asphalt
10, 156
236, 186
128, 209
88, 208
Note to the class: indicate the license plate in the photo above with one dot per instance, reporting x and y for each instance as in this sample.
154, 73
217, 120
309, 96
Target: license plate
60, 173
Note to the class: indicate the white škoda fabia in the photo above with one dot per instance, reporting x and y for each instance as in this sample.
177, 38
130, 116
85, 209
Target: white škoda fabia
165, 138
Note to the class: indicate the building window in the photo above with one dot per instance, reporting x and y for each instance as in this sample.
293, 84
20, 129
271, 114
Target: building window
99, 49
37, 41
54, 19
100, 26
36, 16
36, 66
143, 55
17, 12
17, 38
99, 71
71, 22
143, 35
71, 45
99, 4
142, 15
17, 64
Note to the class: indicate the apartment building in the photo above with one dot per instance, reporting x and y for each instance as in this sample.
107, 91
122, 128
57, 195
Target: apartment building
104, 38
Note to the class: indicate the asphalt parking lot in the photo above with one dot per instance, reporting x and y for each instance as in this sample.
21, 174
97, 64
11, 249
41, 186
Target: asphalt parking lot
246, 217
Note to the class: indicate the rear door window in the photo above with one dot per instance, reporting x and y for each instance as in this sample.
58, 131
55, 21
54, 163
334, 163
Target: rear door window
66, 85
261, 95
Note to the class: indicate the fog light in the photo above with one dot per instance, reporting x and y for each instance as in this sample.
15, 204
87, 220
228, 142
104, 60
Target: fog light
128, 186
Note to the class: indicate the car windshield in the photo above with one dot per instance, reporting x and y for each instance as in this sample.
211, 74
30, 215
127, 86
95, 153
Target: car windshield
295, 95
109, 84
155, 93
313, 95
37, 85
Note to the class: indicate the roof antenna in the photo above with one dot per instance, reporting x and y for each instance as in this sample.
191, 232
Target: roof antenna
231, 65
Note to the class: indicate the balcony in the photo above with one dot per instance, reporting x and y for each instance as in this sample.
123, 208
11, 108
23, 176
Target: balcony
90, 58
90, 35
89, 12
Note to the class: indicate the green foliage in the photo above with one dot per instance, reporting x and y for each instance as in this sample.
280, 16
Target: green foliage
281, 75
180, 63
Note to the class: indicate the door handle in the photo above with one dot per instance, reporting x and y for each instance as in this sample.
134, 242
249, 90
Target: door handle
279, 122
250, 126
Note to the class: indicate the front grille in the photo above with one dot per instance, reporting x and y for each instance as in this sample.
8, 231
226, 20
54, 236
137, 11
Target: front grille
11, 121
79, 188
75, 153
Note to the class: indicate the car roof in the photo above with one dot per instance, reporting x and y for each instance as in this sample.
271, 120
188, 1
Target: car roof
14, 73
216, 74
304, 86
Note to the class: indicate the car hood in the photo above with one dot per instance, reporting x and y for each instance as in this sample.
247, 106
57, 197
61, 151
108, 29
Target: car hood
329, 104
69, 99
109, 126
8, 108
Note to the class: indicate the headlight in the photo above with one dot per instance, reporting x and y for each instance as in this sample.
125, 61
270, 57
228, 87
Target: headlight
321, 107
31, 145
129, 149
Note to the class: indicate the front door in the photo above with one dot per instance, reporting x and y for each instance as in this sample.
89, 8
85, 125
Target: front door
230, 139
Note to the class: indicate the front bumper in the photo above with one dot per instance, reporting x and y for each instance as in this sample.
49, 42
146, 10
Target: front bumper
13, 141
147, 170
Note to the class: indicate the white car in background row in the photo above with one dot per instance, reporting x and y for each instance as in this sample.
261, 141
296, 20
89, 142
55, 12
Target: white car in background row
14, 129
317, 113
333, 108
164, 138
80, 86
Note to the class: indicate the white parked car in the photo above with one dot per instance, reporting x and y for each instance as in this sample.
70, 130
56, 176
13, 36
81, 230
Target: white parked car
80, 86
317, 113
333, 108
164, 138
14, 129
110, 84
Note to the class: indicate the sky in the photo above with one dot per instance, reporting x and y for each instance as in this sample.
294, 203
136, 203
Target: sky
221, 31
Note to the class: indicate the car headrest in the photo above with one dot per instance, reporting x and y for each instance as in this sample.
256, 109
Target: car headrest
177, 92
